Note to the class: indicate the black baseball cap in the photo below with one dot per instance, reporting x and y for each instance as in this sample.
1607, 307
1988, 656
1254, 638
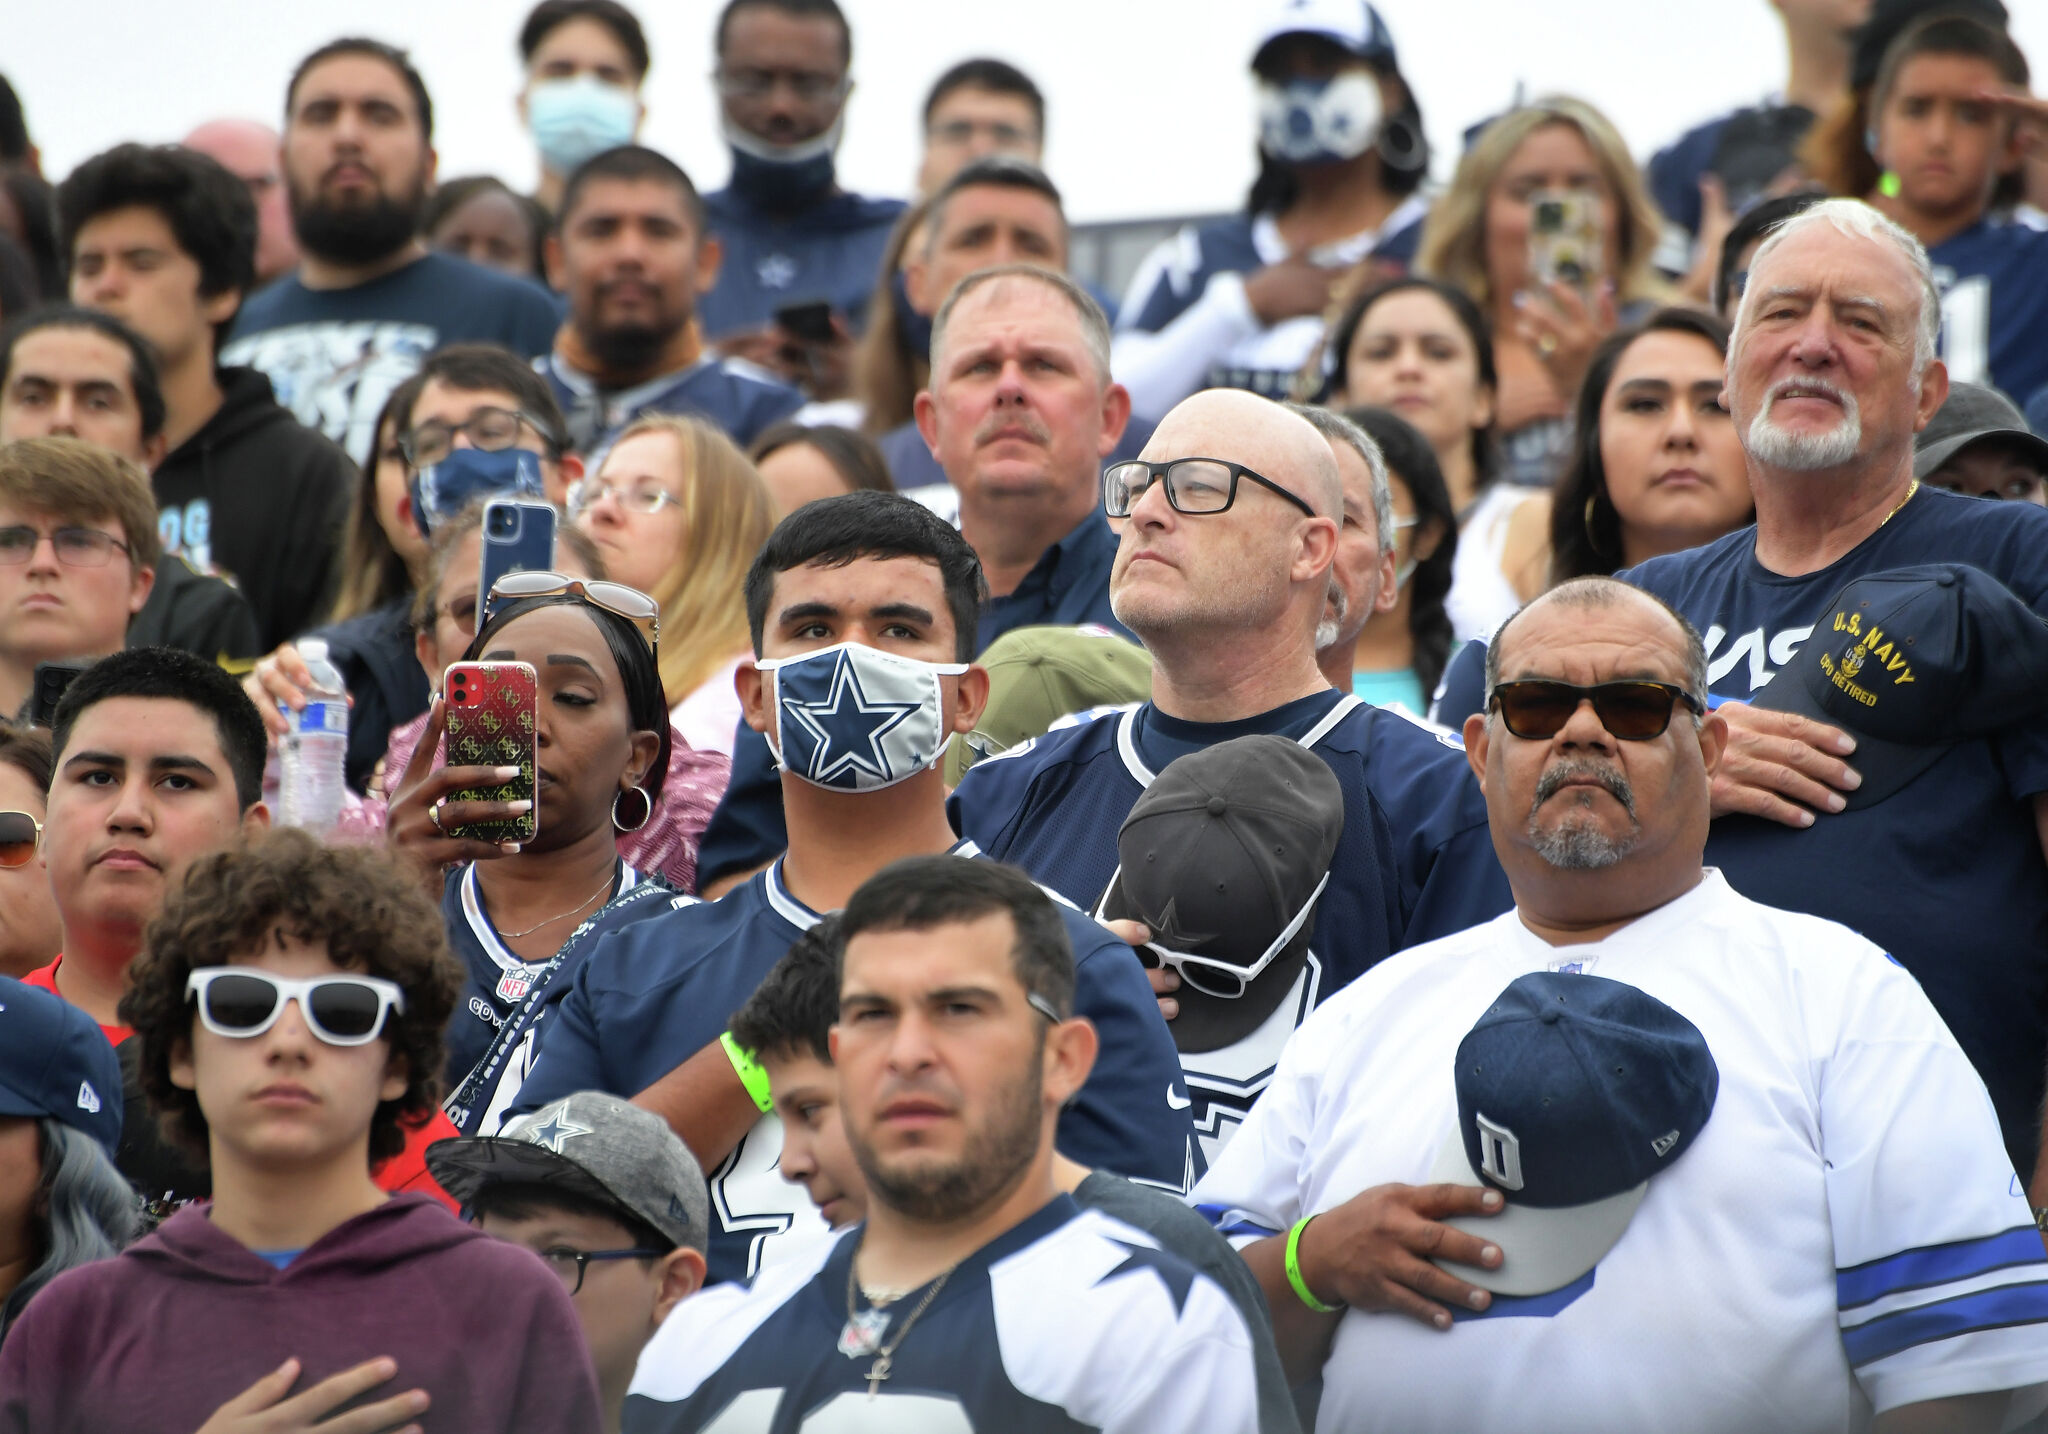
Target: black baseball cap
1975, 413
55, 1063
1223, 857
1573, 1092
1888, 20
1912, 662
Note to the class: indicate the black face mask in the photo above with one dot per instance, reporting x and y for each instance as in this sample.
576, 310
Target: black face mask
355, 233
781, 184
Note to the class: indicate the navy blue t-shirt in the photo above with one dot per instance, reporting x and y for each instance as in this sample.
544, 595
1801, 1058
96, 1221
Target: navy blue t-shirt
498, 981
1947, 874
334, 355
830, 251
740, 399
1994, 307
646, 999
1415, 862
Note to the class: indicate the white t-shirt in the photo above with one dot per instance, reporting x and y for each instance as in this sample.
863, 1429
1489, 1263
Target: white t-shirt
1845, 1235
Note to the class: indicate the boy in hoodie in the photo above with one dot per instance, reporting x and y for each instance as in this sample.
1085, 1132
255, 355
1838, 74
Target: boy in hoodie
164, 239
289, 1006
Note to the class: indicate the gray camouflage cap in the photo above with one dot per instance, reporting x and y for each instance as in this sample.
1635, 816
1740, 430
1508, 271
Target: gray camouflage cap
594, 1145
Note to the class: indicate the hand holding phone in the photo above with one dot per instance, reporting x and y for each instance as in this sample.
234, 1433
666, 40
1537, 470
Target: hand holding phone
518, 537
491, 712
1564, 238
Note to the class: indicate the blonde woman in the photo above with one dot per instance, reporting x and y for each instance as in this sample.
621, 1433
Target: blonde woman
678, 512
1477, 237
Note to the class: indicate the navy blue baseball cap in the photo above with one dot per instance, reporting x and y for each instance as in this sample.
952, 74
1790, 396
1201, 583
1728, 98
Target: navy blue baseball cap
1913, 661
55, 1062
1573, 1091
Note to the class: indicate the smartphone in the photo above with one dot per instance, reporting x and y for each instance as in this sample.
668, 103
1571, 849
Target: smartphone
1564, 238
811, 322
52, 678
519, 537
491, 709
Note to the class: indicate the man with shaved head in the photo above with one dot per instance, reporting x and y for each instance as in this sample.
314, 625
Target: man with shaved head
1230, 526
252, 152
1831, 371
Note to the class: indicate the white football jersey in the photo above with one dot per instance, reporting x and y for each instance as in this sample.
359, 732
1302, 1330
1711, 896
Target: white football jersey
1845, 1236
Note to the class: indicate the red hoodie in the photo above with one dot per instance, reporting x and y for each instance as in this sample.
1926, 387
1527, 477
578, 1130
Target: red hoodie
165, 1333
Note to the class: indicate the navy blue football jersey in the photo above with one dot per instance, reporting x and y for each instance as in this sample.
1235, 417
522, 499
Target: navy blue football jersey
1071, 1321
831, 250
738, 398
647, 999
1946, 874
498, 981
1994, 306
1415, 860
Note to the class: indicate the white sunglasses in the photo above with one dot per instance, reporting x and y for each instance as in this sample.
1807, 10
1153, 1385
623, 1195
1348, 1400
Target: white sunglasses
240, 1003
1194, 969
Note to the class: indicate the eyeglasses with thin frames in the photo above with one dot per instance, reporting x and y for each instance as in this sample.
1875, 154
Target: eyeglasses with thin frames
490, 429
570, 1266
1537, 710
644, 499
75, 547
1193, 485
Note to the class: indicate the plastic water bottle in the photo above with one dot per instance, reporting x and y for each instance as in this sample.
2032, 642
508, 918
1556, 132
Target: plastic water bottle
311, 755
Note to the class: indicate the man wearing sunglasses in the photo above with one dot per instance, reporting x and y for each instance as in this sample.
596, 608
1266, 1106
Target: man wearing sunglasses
288, 1015
1816, 1225
863, 609
1230, 528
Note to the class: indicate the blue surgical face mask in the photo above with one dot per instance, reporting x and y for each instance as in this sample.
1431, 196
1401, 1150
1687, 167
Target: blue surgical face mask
782, 176
470, 475
853, 718
577, 118
1319, 121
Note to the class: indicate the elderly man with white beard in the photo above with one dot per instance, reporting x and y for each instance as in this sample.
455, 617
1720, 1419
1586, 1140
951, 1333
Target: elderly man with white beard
1831, 371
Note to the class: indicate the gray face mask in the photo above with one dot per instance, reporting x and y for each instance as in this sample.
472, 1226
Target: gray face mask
853, 718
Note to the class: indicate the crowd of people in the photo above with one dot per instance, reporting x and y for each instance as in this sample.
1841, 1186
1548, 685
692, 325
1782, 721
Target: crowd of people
1010, 858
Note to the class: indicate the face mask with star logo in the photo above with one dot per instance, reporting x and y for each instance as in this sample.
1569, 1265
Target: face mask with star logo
852, 718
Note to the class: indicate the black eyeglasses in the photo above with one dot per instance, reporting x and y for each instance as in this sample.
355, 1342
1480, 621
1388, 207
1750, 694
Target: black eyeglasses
1193, 485
1631, 711
570, 1265
75, 547
20, 835
490, 429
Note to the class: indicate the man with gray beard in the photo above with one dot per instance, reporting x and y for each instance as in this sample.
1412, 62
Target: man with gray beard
1831, 371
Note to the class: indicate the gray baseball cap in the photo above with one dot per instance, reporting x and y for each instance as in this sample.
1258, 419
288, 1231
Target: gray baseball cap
1975, 413
593, 1145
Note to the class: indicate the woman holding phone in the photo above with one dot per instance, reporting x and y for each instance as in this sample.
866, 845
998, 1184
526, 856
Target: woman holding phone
600, 755
1483, 236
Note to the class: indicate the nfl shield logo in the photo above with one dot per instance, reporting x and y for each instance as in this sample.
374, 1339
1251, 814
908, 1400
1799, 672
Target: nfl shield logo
513, 986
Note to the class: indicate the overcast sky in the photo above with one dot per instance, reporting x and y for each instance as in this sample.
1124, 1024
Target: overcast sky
1150, 100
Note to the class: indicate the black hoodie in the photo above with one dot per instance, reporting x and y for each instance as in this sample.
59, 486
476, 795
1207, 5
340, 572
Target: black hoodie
262, 497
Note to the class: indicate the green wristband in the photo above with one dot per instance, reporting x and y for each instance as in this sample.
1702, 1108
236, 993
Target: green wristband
756, 1081
1308, 1296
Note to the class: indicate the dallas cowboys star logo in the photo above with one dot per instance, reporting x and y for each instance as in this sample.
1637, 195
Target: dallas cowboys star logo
557, 1128
776, 271
1178, 1278
847, 728
1172, 935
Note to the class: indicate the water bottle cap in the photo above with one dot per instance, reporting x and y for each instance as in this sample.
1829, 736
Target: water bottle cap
312, 649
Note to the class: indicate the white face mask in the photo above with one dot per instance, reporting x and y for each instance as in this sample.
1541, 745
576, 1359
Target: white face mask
1319, 121
853, 718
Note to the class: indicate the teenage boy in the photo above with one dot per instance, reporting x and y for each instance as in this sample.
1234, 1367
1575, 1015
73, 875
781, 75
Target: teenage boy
863, 610
289, 1010
788, 1022
610, 1200
976, 1294
164, 239
159, 762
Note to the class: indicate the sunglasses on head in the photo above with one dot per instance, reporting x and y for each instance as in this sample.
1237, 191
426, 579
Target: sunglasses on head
20, 836
616, 598
1630, 711
241, 1002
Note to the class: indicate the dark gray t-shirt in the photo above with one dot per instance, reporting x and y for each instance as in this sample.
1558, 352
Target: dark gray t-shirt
1186, 1234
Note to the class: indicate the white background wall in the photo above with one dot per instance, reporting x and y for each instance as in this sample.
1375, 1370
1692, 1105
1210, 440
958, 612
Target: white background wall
1150, 100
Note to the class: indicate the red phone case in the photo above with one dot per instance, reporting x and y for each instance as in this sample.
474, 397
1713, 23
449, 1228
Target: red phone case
491, 708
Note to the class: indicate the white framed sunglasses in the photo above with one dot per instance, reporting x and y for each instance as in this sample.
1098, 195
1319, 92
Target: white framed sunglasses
1225, 980
241, 1002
